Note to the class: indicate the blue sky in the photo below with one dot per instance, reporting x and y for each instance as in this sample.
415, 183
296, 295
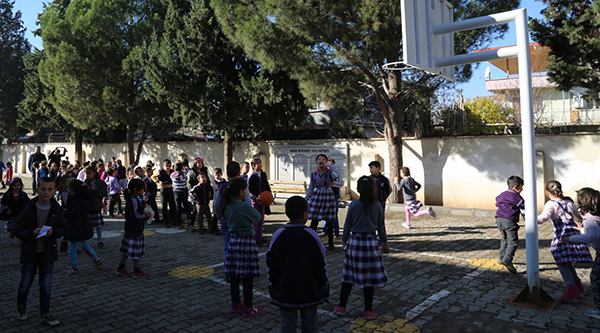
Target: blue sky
475, 87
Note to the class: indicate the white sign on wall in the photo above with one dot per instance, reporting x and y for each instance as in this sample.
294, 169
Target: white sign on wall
297, 162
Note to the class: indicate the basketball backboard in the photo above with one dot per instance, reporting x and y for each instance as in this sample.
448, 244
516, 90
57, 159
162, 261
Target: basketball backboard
419, 44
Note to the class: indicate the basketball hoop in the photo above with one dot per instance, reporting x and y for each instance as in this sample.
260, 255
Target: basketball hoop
394, 66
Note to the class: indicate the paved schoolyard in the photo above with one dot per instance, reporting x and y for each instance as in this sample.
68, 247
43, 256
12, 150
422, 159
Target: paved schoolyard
432, 287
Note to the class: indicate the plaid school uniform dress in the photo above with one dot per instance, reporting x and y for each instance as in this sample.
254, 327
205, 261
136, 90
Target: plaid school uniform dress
322, 201
413, 205
242, 257
97, 219
567, 252
133, 246
133, 241
363, 265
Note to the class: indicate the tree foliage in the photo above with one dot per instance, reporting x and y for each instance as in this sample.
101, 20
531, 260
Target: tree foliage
96, 66
210, 82
336, 49
570, 29
36, 110
13, 47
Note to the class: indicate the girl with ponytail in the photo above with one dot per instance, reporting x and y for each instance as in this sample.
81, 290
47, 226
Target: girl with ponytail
362, 264
242, 261
588, 200
561, 211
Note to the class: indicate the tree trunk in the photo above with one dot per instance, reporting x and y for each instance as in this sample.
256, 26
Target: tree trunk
79, 146
393, 131
228, 149
140, 147
130, 149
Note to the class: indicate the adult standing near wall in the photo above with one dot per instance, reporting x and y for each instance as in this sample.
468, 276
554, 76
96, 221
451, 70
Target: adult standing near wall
56, 156
38, 156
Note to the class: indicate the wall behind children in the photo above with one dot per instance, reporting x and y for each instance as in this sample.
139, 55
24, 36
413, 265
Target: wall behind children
464, 172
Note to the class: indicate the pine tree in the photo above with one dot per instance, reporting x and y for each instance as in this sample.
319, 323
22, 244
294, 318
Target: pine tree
210, 82
13, 47
336, 49
570, 29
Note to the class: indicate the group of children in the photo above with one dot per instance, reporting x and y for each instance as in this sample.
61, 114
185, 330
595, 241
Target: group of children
296, 262
297, 267
569, 244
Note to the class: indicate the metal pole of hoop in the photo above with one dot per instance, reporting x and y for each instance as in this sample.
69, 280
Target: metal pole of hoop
532, 294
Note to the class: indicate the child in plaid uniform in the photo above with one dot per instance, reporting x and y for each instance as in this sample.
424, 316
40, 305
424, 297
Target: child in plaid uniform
588, 200
13, 202
320, 196
242, 256
362, 264
561, 210
98, 189
410, 188
136, 216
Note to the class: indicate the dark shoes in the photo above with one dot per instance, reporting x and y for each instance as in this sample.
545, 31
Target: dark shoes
49, 320
509, 266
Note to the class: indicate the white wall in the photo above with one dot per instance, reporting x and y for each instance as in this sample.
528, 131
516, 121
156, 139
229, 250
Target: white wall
455, 172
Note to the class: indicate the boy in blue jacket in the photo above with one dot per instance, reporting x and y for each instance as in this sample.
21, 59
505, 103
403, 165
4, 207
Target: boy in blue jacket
297, 269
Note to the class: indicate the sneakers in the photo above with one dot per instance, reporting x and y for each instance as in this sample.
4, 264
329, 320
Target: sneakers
71, 270
236, 307
101, 245
98, 262
510, 267
594, 313
140, 274
123, 272
192, 229
579, 286
571, 294
341, 310
431, 212
250, 312
406, 225
49, 320
369, 315
21, 312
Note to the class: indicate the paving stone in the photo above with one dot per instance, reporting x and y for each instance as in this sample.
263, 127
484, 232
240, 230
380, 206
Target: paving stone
427, 260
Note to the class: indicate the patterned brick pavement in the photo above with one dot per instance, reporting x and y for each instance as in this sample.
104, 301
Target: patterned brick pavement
432, 286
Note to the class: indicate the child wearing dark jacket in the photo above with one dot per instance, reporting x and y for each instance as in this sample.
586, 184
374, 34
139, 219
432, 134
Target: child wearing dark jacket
297, 269
202, 193
39, 225
13, 202
510, 204
136, 216
79, 226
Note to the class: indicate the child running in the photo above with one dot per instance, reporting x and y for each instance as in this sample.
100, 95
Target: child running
362, 263
561, 210
135, 219
79, 226
409, 186
12, 204
588, 200
242, 262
